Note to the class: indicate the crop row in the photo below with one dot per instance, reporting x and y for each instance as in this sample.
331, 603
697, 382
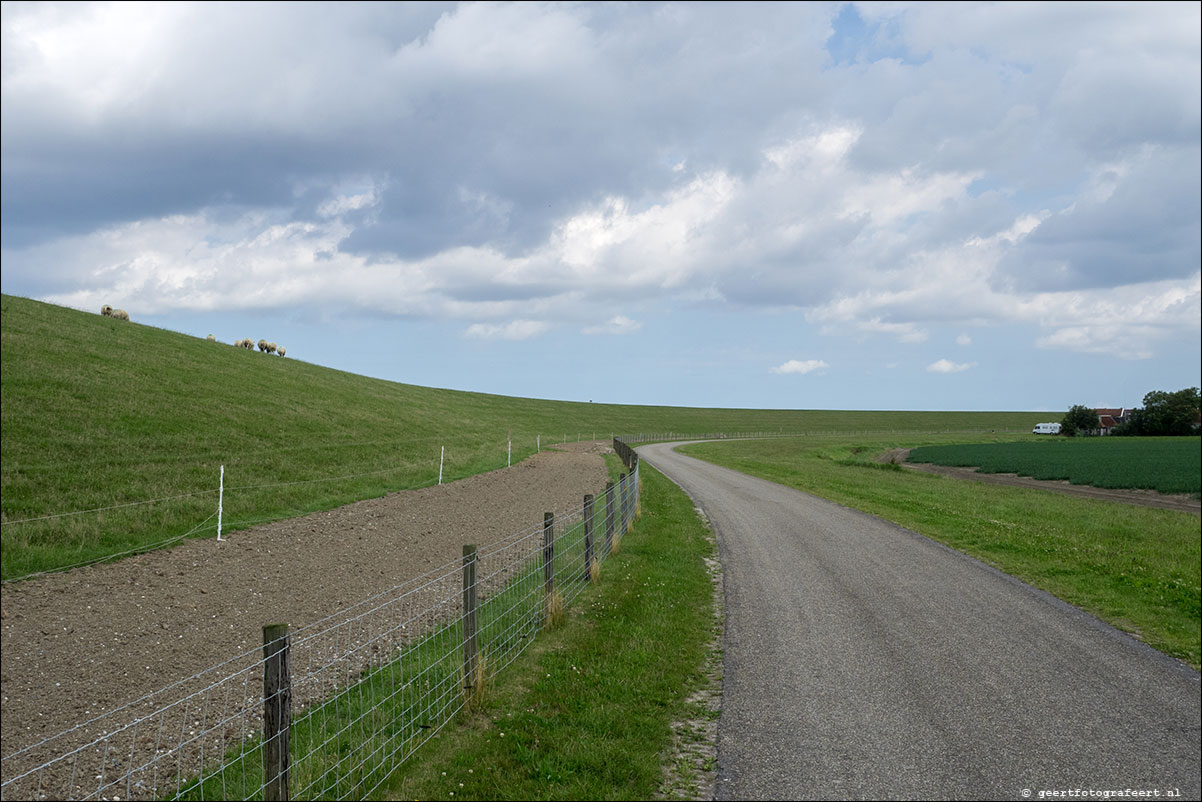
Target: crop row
1167, 465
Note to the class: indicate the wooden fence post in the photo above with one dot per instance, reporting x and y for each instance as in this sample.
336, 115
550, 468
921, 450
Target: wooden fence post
277, 712
636, 491
622, 491
469, 618
588, 536
609, 518
549, 553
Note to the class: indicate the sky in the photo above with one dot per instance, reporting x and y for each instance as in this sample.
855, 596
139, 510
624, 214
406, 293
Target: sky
944, 206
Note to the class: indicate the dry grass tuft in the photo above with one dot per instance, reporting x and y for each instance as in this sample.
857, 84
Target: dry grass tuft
475, 694
554, 610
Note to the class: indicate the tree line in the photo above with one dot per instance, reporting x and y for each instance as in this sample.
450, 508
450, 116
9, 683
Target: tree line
1163, 414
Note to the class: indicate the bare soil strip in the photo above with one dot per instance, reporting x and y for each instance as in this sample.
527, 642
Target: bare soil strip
83, 642
1143, 498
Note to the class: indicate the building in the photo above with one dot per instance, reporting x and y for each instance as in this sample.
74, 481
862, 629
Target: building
1108, 419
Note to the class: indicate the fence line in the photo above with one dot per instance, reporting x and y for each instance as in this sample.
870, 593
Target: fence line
205, 492
242, 522
105, 509
367, 685
199, 527
217, 456
268, 485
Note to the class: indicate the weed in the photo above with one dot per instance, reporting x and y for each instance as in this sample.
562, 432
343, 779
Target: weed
555, 612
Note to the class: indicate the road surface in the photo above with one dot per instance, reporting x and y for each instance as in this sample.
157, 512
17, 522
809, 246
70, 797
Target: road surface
864, 661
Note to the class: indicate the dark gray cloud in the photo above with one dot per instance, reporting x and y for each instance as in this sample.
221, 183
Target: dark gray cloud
1144, 228
254, 101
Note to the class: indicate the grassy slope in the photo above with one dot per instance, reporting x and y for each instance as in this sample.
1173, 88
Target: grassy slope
1136, 567
97, 412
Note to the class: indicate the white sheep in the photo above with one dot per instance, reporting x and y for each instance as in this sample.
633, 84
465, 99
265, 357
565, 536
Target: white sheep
245, 343
281, 350
120, 314
271, 348
211, 338
106, 311
262, 345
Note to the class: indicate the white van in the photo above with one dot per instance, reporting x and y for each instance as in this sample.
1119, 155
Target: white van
1046, 428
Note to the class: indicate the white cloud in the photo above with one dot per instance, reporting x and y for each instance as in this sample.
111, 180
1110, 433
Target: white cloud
963, 339
619, 324
343, 203
855, 314
880, 200
800, 366
514, 330
1124, 322
947, 366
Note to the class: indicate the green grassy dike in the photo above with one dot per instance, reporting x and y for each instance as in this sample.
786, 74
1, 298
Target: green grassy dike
586, 712
1137, 568
113, 434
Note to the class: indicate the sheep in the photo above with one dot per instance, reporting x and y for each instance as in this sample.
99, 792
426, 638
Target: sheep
271, 348
245, 343
281, 350
211, 338
106, 311
120, 314
262, 345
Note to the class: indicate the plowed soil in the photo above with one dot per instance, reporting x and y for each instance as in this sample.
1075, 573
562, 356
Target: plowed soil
83, 642
1142, 498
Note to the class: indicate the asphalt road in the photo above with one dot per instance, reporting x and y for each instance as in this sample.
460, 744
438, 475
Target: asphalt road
864, 661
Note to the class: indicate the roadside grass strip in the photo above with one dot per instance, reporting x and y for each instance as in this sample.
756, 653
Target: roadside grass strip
587, 711
583, 712
1137, 568
1163, 464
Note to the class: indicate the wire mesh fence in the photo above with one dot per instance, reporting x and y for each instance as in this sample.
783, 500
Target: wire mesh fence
327, 711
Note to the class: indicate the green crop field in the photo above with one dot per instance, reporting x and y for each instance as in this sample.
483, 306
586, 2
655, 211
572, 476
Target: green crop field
1166, 464
114, 434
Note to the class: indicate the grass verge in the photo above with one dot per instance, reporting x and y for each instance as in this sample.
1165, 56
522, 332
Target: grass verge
1135, 567
587, 711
